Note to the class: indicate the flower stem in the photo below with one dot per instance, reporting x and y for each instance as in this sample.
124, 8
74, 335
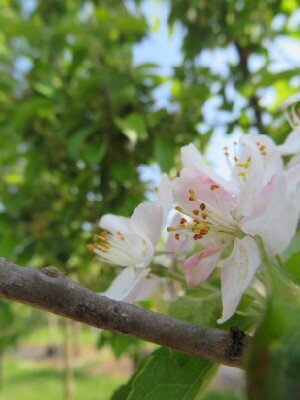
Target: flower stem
167, 273
280, 262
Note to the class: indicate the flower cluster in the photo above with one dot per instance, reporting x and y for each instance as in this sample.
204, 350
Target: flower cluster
214, 223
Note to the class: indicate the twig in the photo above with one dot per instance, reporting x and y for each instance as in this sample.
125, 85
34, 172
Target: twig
243, 54
60, 295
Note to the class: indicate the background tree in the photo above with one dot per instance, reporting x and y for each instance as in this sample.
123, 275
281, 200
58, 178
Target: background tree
77, 117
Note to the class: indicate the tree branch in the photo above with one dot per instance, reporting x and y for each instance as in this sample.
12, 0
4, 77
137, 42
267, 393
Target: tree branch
51, 290
243, 54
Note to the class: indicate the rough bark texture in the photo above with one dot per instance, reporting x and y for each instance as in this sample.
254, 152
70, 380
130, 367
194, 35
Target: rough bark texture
50, 290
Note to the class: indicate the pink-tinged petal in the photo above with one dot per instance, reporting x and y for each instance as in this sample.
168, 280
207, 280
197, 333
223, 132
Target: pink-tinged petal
237, 272
131, 285
115, 223
292, 143
192, 158
147, 221
206, 190
274, 216
198, 267
164, 196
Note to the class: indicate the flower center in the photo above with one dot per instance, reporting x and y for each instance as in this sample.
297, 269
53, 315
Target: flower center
205, 220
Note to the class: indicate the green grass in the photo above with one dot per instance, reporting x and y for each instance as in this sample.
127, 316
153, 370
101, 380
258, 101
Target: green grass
44, 380
28, 380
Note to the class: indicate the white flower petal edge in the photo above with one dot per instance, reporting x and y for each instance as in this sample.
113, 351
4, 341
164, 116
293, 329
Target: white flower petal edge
131, 285
149, 219
274, 217
237, 272
292, 143
192, 158
121, 246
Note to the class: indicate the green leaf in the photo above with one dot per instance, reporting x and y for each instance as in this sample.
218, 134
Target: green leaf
94, 153
293, 267
169, 374
221, 395
119, 344
133, 127
273, 364
76, 141
172, 375
294, 247
164, 152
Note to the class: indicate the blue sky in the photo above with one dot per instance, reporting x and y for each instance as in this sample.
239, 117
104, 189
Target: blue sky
163, 48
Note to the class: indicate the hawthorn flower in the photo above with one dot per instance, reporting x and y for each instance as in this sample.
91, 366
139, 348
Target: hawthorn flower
131, 242
226, 215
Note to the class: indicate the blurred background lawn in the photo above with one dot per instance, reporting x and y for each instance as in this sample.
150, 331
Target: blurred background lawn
29, 373
96, 99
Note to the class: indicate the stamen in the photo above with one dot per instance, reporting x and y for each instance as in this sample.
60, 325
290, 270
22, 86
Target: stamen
214, 187
91, 247
192, 195
177, 236
242, 164
242, 173
104, 235
204, 215
197, 236
202, 206
196, 212
121, 236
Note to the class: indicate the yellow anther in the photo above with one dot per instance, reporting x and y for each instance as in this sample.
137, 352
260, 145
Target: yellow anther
214, 187
192, 194
242, 173
242, 164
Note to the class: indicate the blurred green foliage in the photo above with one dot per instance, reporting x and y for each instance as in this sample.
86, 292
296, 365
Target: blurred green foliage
77, 117
245, 33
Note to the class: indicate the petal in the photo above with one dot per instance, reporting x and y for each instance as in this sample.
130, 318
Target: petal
292, 143
192, 158
265, 162
237, 273
293, 177
115, 223
206, 190
147, 221
198, 267
164, 196
120, 285
144, 289
131, 285
270, 159
128, 250
274, 216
